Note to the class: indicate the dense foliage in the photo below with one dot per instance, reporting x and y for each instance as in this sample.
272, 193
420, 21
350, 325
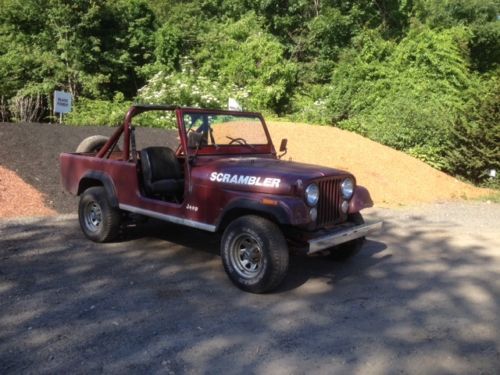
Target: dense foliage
421, 76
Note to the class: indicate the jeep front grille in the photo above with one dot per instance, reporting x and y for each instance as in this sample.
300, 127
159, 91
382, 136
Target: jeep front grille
330, 199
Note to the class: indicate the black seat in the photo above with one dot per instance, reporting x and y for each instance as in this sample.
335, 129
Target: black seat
162, 172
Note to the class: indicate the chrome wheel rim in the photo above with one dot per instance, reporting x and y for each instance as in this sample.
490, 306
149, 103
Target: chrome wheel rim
93, 216
246, 256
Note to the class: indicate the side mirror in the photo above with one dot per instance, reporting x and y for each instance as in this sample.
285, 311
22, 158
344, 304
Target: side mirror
283, 148
284, 142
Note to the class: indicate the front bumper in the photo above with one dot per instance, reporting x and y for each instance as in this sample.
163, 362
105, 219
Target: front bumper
341, 236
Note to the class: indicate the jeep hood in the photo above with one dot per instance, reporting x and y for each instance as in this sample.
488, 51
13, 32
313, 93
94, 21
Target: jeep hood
261, 174
287, 169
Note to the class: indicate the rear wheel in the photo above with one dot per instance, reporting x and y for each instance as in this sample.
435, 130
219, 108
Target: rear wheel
99, 221
347, 250
255, 254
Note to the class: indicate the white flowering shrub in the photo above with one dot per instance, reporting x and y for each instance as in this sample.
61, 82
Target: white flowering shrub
311, 106
185, 88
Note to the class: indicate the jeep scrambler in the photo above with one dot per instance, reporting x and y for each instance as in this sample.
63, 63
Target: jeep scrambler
225, 176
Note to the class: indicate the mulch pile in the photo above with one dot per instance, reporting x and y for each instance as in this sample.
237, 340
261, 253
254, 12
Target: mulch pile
31, 151
392, 177
17, 198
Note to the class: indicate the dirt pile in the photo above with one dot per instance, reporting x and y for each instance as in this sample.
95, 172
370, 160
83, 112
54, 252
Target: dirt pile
17, 198
392, 177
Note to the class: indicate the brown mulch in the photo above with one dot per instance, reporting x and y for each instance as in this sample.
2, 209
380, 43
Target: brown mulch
30, 182
392, 177
17, 198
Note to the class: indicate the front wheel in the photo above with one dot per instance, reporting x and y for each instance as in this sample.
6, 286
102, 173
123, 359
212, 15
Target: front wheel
347, 250
254, 254
99, 221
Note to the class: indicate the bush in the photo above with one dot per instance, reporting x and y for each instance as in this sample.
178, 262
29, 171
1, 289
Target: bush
98, 112
474, 146
27, 108
406, 95
310, 106
185, 88
242, 54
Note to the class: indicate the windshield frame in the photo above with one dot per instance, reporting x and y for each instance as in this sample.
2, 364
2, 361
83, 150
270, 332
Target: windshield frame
224, 149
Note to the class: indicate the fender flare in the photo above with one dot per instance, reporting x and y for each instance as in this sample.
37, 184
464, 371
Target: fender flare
361, 199
249, 206
106, 182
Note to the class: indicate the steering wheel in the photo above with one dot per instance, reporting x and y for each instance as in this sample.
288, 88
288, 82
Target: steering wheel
240, 141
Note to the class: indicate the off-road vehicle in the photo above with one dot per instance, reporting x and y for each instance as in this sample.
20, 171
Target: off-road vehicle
224, 176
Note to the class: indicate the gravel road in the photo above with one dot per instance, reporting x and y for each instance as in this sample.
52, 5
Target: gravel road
422, 298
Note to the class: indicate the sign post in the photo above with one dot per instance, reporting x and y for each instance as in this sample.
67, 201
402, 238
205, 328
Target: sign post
62, 103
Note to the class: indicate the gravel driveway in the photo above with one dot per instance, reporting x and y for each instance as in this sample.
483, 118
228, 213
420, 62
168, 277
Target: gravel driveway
422, 298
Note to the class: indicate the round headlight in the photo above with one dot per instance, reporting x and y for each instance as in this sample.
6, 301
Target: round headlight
312, 195
347, 188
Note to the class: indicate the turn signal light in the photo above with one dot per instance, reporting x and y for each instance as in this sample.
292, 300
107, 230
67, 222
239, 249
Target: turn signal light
269, 202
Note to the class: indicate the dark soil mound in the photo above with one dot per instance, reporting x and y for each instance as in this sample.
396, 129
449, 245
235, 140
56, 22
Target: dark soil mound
32, 151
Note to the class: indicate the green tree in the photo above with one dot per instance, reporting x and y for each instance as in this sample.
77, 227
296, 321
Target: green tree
481, 18
85, 47
407, 95
242, 53
474, 146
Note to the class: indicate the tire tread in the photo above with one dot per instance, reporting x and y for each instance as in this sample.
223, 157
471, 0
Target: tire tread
92, 143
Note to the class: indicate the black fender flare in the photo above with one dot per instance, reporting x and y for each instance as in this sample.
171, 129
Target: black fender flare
105, 181
244, 206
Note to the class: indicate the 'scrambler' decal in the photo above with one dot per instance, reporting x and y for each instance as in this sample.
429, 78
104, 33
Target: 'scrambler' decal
245, 180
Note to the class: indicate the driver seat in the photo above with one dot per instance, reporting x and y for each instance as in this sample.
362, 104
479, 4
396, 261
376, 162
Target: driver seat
161, 172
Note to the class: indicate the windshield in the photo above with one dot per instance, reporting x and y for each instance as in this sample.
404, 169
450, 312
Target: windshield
223, 130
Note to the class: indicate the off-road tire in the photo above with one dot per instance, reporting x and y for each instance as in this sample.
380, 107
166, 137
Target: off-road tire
99, 221
254, 254
347, 250
92, 144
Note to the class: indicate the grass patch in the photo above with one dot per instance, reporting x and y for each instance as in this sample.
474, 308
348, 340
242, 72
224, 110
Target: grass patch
493, 197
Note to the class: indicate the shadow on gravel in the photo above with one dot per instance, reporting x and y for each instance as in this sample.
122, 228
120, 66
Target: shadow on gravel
417, 299
301, 268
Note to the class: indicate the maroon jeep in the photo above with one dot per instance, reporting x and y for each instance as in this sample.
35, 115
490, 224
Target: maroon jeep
225, 176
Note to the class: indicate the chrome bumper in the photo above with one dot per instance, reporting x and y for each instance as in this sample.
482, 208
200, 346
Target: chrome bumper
345, 235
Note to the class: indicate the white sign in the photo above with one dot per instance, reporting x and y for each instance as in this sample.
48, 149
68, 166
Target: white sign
62, 102
233, 105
